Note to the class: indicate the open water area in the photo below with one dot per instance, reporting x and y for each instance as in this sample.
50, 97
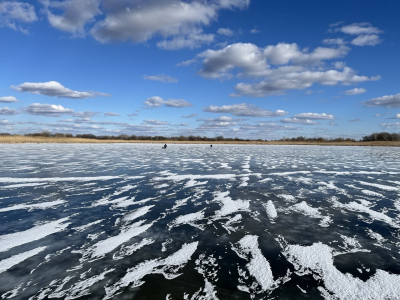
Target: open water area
134, 221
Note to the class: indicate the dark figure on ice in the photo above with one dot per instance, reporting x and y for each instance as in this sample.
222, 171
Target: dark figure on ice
210, 146
165, 146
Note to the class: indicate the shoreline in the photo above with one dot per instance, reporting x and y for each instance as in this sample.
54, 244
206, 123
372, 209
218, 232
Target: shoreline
54, 140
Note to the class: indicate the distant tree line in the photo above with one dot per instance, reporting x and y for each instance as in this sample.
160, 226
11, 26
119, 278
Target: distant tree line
381, 136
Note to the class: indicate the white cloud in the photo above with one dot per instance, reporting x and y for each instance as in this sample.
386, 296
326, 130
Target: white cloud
8, 111
155, 122
76, 14
355, 120
192, 40
299, 121
158, 101
315, 116
111, 114
225, 31
218, 63
355, 91
367, 40
139, 21
54, 89
8, 99
277, 85
283, 53
338, 41
161, 78
360, 28
48, 110
186, 63
244, 110
390, 101
189, 116
391, 126
13, 11
5, 122
254, 31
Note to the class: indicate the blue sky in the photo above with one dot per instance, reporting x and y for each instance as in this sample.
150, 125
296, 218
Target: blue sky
237, 68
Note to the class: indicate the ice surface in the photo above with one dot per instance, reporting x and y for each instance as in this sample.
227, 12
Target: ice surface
258, 267
110, 215
42, 205
12, 240
168, 267
318, 259
8, 263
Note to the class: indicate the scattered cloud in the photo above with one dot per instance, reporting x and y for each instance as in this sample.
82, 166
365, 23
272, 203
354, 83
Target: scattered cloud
189, 116
8, 111
13, 12
5, 122
161, 78
360, 28
367, 35
76, 14
158, 101
337, 41
391, 126
244, 110
111, 114
390, 101
186, 63
54, 89
295, 120
254, 31
277, 85
225, 31
155, 122
355, 91
179, 23
133, 114
8, 99
315, 116
310, 92
48, 110
333, 123
355, 120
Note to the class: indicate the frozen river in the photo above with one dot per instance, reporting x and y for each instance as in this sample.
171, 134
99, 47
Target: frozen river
134, 221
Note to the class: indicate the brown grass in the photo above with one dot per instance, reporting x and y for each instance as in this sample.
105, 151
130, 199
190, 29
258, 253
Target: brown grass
28, 139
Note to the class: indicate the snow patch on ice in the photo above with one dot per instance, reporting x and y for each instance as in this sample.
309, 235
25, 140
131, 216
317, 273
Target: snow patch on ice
8, 263
42, 205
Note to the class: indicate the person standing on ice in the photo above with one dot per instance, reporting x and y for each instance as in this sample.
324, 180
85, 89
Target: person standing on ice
165, 146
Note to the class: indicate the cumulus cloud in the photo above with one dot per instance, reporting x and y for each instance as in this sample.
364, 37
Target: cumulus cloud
277, 85
390, 101
367, 40
181, 21
244, 110
192, 40
13, 12
8, 99
158, 101
225, 31
161, 78
8, 111
111, 114
48, 110
315, 116
54, 89
189, 116
360, 28
338, 41
155, 122
299, 121
391, 126
355, 91
355, 120
367, 35
283, 66
5, 122
76, 14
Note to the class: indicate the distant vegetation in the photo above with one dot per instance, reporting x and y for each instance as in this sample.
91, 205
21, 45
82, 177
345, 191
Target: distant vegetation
381, 136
